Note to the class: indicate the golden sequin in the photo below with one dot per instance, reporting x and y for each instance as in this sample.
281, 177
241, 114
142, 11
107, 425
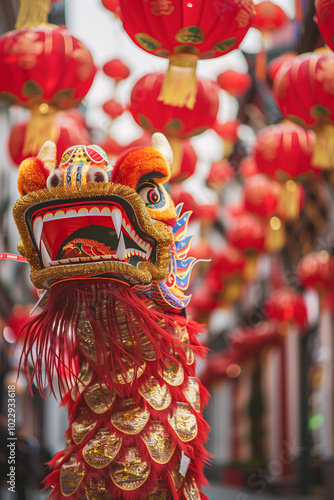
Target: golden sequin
101, 450
130, 418
184, 422
82, 426
173, 372
157, 396
159, 443
184, 337
130, 474
97, 401
191, 392
96, 491
71, 475
129, 376
190, 490
177, 478
161, 491
84, 378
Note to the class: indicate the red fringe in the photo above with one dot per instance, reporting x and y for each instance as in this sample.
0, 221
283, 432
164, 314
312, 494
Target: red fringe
50, 339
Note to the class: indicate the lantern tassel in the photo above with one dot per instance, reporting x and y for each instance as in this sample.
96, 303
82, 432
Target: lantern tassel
179, 87
323, 153
289, 203
175, 144
40, 128
32, 13
275, 236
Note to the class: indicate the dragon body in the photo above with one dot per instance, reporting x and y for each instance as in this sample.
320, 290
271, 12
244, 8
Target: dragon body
110, 249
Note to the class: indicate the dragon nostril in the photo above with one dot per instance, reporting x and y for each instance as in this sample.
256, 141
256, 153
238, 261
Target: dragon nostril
56, 179
99, 177
96, 174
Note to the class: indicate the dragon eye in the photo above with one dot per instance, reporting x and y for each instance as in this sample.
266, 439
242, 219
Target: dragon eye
150, 195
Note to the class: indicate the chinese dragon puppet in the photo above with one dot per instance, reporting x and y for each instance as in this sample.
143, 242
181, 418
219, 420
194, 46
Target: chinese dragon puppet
110, 249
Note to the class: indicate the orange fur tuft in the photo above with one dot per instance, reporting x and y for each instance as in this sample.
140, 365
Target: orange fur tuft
131, 167
32, 176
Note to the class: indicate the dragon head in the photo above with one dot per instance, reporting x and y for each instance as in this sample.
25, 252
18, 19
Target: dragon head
85, 218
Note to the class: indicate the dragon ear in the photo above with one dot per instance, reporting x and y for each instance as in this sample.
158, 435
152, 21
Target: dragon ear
160, 142
34, 171
48, 155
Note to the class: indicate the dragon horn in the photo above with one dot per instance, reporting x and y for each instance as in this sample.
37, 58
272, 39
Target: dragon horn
160, 142
48, 155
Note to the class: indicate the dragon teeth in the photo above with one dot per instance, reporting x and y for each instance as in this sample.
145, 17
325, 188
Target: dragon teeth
116, 216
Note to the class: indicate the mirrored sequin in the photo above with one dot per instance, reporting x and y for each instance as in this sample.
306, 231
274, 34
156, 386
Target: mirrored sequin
161, 492
71, 475
99, 402
173, 373
192, 393
184, 422
130, 418
131, 473
84, 378
190, 490
101, 450
129, 376
159, 443
157, 396
96, 491
177, 478
82, 426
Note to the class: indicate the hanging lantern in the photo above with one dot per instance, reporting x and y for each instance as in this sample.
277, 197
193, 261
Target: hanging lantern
277, 63
113, 108
176, 123
228, 131
284, 152
252, 235
269, 17
187, 165
68, 131
316, 270
199, 211
184, 32
234, 82
111, 5
44, 69
286, 305
325, 20
116, 69
220, 173
313, 106
248, 167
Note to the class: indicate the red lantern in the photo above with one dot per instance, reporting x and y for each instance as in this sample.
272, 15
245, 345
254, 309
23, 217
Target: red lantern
316, 270
111, 5
278, 62
44, 69
252, 235
284, 152
184, 167
116, 69
155, 116
261, 196
251, 340
325, 20
221, 172
184, 32
269, 16
285, 304
68, 131
199, 211
248, 167
305, 93
234, 82
113, 108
